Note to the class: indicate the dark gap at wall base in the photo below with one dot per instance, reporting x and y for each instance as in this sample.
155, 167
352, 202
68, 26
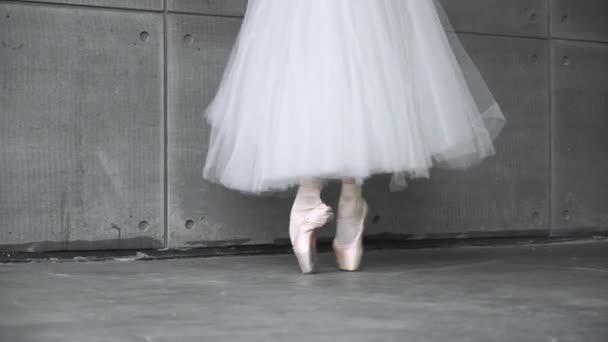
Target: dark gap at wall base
378, 242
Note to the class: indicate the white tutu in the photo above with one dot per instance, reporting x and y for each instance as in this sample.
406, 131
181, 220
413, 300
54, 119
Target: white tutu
346, 88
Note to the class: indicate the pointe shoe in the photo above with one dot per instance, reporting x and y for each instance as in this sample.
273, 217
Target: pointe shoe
348, 257
304, 244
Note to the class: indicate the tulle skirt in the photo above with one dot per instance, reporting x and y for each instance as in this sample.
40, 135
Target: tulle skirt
346, 88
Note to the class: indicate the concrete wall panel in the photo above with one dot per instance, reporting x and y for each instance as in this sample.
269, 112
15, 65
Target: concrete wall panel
214, 7
580, 139
202, 213
507, 193
80, 128
580, 19
156, 5
528, 18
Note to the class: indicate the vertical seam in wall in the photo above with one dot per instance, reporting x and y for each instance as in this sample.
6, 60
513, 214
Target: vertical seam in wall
165, 192
550, 120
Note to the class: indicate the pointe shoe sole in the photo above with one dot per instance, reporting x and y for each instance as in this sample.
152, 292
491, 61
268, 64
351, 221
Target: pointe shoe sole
348, 258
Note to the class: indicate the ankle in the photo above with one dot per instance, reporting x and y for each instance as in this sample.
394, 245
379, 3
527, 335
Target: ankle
350, 191
306, 202
350, 206
350, 199
308, 195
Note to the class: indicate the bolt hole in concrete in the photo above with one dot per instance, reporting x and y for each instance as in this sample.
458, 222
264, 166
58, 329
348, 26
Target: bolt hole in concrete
143, 225
188, 40
189, 224
534, 58
564, 19
144, 36
533, 17
565, 60
566, 215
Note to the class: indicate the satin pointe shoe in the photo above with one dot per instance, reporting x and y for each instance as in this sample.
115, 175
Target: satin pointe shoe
348, 257
304, 224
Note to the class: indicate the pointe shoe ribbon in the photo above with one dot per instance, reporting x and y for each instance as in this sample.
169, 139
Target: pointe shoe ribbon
307, 222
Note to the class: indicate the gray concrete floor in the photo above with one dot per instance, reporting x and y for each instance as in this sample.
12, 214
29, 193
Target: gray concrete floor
556, 292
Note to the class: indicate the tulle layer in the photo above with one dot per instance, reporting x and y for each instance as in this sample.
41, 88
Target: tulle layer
346, 88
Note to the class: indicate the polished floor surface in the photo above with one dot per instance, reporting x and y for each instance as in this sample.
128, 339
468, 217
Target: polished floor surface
543, 292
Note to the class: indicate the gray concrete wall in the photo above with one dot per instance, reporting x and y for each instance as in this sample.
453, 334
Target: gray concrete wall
102, 138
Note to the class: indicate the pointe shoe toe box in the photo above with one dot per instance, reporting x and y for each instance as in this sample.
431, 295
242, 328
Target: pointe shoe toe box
348, 258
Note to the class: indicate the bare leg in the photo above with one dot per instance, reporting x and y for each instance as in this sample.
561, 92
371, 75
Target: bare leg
309, 194
350, 209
